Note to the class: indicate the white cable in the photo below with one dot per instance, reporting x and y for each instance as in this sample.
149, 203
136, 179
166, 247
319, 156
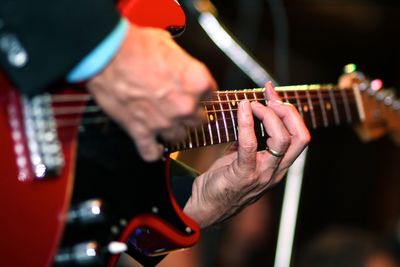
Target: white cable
290, 206
294, 177
233, 50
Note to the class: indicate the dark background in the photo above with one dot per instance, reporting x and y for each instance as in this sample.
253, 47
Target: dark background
346, 182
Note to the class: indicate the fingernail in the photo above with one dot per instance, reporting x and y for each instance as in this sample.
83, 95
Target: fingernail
270, 86
279, 102
244, 102
245, 105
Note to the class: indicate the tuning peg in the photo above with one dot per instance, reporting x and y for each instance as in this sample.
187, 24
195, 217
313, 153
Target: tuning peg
90, 211
350, 68
376, 84
396, 105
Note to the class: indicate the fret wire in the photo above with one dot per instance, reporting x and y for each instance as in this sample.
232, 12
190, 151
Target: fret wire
217, 124
204, 135
299, 106
184, 144
190, 137
197, 137
237, 104
245, 94
232, 117
237, 99
322, 105
209, 126
223, 117
285, 95
354, 110
261, 125
311, 108
335, 109
346, 106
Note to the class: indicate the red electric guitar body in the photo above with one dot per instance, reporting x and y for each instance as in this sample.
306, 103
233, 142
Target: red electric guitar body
52, 213
37, 163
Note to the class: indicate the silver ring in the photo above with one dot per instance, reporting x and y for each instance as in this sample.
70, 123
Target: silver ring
274, 152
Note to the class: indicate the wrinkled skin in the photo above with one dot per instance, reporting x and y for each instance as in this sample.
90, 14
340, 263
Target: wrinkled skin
243, 175
152, 88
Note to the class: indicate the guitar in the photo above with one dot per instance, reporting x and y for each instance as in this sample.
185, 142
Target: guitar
39, 142
38, 158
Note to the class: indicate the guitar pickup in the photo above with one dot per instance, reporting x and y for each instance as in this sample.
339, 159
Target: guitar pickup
44, 147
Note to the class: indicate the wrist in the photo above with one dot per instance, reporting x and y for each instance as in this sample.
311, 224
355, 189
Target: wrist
101, 55
199, 207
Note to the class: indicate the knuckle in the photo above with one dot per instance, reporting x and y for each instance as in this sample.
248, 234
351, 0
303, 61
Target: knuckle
249, 146
284, 139
305, 138
164, 124
188, 108
200, 77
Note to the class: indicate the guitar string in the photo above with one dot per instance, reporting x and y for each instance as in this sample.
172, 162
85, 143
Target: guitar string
310, 87
323, 93
316, 107
104, 119
315, 101
85, 97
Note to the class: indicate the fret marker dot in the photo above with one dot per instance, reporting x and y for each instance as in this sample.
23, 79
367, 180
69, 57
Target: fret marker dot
328, 106
211, 117
305, 108
233, 103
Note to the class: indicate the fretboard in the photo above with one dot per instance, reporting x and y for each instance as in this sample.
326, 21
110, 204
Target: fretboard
319, 106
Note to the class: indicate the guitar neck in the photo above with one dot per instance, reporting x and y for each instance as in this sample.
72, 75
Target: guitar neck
319, 105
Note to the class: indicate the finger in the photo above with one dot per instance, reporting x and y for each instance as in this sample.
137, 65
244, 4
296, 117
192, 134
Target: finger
279, 141
279, 138
247, 150
197, 80
196, 119
175, 134
148, 147
294, 123
178, 104
270, 93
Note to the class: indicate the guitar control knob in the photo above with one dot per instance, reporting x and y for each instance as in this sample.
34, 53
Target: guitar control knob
90, 211
88, 254
83, 254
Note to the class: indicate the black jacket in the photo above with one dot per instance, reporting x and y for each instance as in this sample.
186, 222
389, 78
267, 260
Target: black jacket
41, 40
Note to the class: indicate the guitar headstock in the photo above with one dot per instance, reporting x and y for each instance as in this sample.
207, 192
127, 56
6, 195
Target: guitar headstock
380, 106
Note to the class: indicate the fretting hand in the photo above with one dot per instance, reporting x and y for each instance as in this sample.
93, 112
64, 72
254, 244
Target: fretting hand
241, 176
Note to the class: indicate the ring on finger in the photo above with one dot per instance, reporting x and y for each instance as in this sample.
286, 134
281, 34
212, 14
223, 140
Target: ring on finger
274, 152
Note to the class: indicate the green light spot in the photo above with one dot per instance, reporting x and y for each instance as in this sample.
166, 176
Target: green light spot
350, 68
